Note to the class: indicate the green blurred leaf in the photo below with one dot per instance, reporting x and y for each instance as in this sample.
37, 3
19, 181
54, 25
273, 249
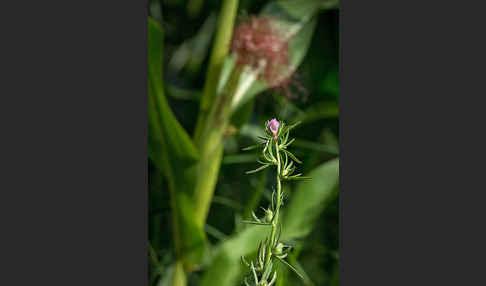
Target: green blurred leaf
240, 158
330, 84
320, 110
173, 276
309, 145
242, 114
172, 151
182, 93
226, 264
192, 52
309, 199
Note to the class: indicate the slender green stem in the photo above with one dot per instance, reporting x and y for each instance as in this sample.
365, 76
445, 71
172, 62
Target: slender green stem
277, 208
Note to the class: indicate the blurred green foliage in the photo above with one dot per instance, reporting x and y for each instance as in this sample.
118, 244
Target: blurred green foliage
181, 34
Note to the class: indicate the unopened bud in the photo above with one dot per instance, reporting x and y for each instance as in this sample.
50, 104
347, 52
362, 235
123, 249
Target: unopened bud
273, 125
268, 215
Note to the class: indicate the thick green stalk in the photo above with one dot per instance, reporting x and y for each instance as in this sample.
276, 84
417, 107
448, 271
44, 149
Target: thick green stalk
219, 52
178, 275
211, 145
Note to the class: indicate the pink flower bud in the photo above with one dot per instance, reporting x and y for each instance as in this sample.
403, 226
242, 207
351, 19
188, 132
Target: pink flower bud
273, 126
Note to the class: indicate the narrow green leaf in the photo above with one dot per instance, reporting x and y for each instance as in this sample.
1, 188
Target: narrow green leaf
291, 267
296, 264
292, 156
297, 177
253, 147
254, 222
216, 233
258, 169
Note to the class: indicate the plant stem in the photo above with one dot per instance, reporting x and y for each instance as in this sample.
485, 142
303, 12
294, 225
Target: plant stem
277, 208
211, 145
178, 275
219, 52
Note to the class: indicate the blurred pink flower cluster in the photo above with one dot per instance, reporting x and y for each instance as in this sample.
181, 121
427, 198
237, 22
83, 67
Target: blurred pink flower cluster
254, 40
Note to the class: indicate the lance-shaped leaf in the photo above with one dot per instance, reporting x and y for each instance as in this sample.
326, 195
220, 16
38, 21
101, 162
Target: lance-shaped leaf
258, 169
292, 156
291, 267
253, 146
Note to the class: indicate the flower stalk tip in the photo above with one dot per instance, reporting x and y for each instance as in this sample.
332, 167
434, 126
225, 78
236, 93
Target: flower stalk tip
273, 126
274, 153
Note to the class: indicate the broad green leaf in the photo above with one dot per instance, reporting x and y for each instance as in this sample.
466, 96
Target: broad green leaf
172, 151
310, 199
226, 264
176, 144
